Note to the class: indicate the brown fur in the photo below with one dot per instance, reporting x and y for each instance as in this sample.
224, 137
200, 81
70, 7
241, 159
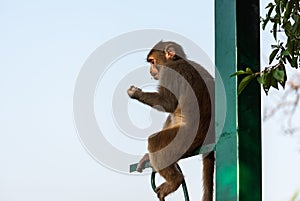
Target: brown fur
186, 91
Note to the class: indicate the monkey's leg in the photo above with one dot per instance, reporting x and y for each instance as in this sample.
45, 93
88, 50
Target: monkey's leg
146, 158
164, 162
208, 176
173, 180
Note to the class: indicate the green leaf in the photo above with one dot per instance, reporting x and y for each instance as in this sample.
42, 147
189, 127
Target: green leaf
268, 16
283, 5
295, 196
274, 83
242, 72
245, 81
283, 59
274, 46
290, 46
260, 79
272, 55
264, 24
267, 82
269, 5
296, 24
285, 53
294, 63
278, 15
282, 68
266, 91
287, 26
275, 30
270, 10
288, 9
249, 71
289, 58
278, 75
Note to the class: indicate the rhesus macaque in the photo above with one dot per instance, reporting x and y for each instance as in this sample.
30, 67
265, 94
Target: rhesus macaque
186, 91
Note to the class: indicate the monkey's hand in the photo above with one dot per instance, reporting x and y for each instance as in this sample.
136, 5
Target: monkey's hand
134, 92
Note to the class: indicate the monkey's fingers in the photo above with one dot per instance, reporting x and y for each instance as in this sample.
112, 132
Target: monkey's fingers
132, 91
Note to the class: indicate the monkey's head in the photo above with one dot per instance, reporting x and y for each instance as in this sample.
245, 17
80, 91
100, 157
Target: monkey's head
163, 53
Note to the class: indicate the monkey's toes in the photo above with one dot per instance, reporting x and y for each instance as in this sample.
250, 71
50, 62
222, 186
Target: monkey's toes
162, 191
139, 169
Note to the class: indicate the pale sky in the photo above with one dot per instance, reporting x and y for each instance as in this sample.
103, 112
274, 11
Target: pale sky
44, 45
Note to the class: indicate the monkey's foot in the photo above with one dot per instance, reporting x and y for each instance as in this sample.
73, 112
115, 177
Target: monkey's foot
164, 190
141, 167
142, 163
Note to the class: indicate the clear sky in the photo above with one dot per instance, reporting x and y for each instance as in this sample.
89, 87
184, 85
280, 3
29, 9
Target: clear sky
44, 45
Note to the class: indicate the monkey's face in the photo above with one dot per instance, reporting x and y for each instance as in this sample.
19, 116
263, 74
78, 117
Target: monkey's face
157, 62
160, 56
154, 67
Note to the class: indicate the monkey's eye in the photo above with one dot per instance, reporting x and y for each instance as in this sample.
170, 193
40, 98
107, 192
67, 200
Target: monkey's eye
152, 61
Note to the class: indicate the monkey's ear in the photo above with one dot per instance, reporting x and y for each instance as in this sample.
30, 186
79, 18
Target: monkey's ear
170, 51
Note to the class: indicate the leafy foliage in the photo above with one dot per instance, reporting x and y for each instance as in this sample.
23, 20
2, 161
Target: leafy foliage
294, 196
284, 15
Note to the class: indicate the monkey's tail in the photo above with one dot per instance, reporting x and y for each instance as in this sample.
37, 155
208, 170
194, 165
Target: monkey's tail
208, 176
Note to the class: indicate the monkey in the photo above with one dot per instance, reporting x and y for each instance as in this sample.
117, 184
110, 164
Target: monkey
185, 91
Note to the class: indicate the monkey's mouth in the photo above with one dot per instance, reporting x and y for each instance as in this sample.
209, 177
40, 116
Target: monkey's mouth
155, 76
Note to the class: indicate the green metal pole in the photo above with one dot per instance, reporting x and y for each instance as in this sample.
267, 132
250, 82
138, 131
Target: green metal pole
238, 153
225, 59
249, 102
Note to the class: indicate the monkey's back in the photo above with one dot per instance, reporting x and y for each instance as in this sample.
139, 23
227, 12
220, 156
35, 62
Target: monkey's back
194, 89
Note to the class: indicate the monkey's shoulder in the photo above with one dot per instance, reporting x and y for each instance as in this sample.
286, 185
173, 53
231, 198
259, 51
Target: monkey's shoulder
189, 71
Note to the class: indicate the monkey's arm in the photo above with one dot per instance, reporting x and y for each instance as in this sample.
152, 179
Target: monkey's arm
163, 100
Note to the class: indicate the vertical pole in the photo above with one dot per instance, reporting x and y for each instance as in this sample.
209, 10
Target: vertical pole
238, 154
225, 59
249, 102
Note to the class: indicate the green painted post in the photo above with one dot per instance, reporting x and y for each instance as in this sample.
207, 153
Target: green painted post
225, 59
238, 151
249, 102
